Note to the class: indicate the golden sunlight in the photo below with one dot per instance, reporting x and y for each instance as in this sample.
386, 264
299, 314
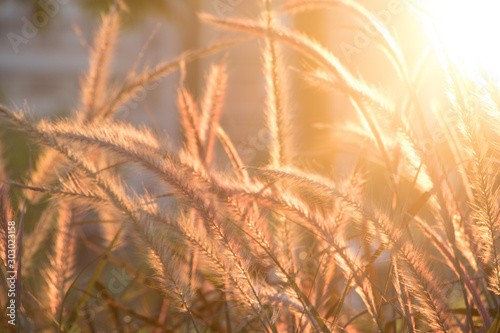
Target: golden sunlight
265, 166
469, 32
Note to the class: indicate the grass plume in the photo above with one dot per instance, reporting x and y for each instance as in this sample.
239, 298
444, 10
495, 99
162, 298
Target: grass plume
395, 235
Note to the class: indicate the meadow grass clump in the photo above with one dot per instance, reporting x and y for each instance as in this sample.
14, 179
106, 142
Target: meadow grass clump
274, 247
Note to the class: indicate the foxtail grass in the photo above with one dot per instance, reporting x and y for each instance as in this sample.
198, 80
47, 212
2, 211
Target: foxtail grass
405, 239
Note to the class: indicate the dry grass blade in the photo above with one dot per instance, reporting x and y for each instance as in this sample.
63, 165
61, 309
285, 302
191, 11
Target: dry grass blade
357, 10
62, 264
416, 277
94, 85
190, 123
149, 76
48, 160
404, 296
211, 108
167, 173
277, 117
382, 226
358, 91
303, 44
232, 153
169, 277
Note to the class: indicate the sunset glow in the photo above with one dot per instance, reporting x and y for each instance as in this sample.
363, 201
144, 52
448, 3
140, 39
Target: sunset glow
469, 32
221, 166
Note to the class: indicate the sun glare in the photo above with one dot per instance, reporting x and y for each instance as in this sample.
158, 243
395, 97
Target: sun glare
470, 33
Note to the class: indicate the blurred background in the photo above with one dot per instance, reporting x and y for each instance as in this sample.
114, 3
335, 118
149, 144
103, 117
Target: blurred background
44, 53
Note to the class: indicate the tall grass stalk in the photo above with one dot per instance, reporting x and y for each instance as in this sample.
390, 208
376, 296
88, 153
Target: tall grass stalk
403, 241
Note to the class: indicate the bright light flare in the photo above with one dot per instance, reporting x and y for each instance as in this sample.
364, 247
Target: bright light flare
470, 33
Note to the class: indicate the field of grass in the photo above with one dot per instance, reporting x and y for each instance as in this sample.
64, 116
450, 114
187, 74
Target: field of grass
407, 241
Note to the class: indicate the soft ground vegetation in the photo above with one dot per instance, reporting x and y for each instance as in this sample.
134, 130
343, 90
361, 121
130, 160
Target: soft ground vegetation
407, 241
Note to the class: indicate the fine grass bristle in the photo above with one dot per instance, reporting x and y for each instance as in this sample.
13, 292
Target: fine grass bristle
61, 264
390, 225
94, 84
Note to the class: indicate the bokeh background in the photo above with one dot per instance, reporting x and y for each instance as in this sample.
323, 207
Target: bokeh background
43, 74
41, 70
44, 52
